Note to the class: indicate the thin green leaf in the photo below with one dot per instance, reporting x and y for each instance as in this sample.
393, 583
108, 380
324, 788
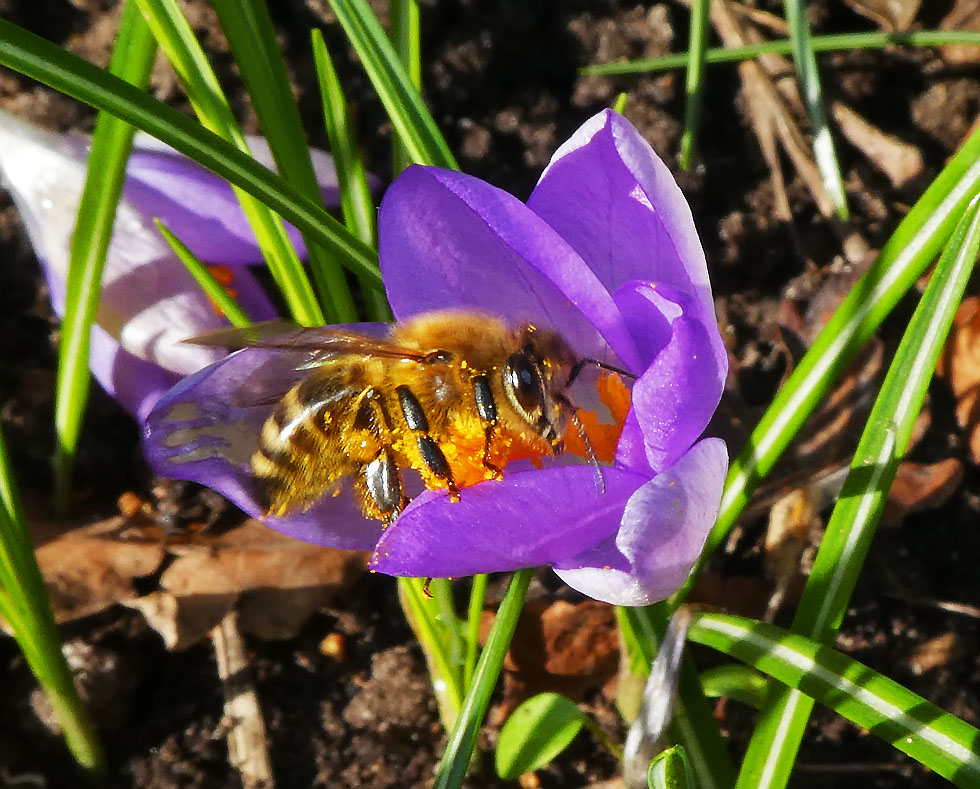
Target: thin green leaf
474, 616
132, 60
535, 733
694, 79
34, 57
216, 292
421, 615
936, 739
736, 682
414, 125
911, 248
671, 769
356, 202
839, 42
620, 104
25, 605
175, 37
812, 93
772, 749
405, 31
459, 750
252, 40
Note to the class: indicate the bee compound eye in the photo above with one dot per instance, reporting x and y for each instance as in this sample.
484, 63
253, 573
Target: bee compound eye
523, 384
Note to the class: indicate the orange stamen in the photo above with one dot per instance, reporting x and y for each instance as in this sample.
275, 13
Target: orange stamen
224, 276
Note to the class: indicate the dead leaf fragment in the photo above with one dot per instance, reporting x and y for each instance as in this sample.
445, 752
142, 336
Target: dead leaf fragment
899, 161
964, 15
921, 486
960, 365
89, 569
933, 653
892, 15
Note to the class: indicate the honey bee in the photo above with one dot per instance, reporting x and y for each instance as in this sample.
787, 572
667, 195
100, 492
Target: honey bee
451, 394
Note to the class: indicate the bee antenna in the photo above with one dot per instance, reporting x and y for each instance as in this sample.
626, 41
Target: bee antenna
581, 364
593, 460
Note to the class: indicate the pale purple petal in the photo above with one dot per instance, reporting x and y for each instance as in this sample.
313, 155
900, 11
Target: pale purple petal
199, 207
680, 390
450, 240
529, 518
149, 301
610, 196
664, 527
207, 427
134, 383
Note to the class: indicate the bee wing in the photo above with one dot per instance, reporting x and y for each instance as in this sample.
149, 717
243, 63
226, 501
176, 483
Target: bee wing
319, 342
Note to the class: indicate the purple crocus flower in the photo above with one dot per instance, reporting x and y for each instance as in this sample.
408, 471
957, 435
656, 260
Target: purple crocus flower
149, 301
605, 252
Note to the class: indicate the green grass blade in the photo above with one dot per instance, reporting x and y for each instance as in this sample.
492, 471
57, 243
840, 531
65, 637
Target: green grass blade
401, 99
812, 93
474, 614
838, 42
24, 603
356, 201
34, 57
694, 725
911, 248
406, 33
214, 289
132, 60
252, 39
694, 79
421, 615
462, 741
934, 738
736, 682
175, 37
772, 749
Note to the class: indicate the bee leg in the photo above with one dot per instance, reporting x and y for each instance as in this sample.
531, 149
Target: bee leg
497, 472
425, 589
383, 484
430, 452
487, 409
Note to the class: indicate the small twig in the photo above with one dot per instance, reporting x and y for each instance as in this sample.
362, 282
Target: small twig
247, 747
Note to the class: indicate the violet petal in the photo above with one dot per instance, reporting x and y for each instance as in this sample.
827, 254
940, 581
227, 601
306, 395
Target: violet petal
665, 525
199, 207
610, 196
676, 396
527, 519
450, 240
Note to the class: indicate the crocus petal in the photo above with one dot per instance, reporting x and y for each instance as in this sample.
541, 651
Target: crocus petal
663, 530
134, 383
201, 208
207, 427
149, 301
528, 519
610, 196
676, 396
450, 240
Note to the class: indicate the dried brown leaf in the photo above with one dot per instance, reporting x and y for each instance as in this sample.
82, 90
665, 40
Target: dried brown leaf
964, 15
921, 486
960, 365
88, 569
935, 652
898, 160
892, 15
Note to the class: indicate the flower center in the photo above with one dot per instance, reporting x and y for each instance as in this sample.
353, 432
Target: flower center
465, 451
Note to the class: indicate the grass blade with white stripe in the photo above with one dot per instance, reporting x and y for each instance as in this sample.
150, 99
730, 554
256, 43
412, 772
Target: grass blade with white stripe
772, 749
934, 738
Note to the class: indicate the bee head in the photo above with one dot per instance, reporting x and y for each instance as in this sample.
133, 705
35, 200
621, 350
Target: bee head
534, 379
